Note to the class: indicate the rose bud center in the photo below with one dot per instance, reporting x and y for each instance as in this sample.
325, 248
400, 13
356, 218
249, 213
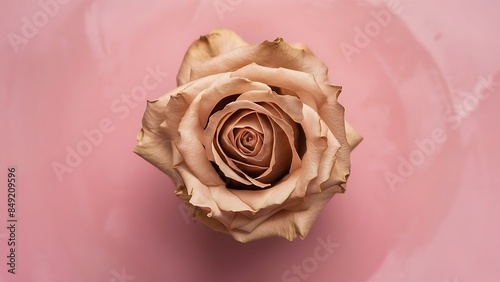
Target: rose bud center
247, 140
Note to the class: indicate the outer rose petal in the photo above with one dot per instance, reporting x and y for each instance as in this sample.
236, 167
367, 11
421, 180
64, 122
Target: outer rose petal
302, 46
207, 47
152, 143
302, 85
353, 137
273, 54
286, 224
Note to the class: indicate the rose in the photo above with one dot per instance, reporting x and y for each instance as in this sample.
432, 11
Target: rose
253, 137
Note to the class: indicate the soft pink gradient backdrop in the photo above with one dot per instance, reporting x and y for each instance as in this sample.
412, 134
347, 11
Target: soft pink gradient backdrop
116, 213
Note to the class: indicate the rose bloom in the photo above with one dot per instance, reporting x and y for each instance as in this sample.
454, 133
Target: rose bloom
253, 137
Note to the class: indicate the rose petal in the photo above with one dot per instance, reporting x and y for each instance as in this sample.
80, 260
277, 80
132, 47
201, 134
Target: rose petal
230, 170
222, 88
282, 155
249, 121
262, 200
332, 113
245, 221
353, 137
218, 41
327, 164
302, 46
201, 196
250, 169
152, 143
304, 85
273, 54
287, 224
316, 141
179, 102
191, 148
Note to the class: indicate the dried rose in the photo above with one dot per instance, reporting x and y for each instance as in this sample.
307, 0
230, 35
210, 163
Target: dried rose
253, 138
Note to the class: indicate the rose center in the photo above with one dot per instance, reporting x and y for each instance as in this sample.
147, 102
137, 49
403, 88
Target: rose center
247, 140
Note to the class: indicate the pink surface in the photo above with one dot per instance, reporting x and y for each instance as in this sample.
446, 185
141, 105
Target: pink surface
422, 200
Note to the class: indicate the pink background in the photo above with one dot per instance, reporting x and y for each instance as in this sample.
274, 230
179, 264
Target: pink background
116, 214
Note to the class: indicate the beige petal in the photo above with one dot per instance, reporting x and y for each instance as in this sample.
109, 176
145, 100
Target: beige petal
304, 85
273, 54
201, 196
327, 164
260, 200
332, 113
191, 148
227, 201
217, 42
288, 224
224, 87
251, 170
337, 174
158, 151
244, 221
282, 155
152, 143
250, 121
297, 136
231, 170
302, 46
153, 116
316, 142
353, 137
291, 106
